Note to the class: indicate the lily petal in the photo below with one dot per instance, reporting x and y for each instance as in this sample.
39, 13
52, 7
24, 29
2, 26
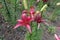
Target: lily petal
29, 19
17, 25
32, 10
29, 28
42, 20
19, 20
32, 16
24, 16
45, 22
57, 38
24, 11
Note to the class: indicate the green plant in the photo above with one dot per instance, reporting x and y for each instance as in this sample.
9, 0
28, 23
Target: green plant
51, 30
32, 16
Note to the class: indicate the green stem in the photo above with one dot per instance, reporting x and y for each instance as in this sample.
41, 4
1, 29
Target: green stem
8, 13
15, 5
36, 29
30, 36
45, 6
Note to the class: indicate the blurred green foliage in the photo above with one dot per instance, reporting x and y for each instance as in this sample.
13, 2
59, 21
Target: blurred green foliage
11, 10
51, 29
36, 33
55, 14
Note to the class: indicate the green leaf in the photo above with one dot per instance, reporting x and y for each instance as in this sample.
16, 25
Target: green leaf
55, 14
36, 33
30, 3
40, 5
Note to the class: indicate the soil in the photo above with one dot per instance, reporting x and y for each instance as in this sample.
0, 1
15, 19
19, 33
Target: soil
8, 33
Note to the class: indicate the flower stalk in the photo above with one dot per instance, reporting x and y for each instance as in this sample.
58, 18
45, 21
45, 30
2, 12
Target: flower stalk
44, 7
25, 4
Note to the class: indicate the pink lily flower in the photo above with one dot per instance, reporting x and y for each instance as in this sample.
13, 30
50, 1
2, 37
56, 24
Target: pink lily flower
25, 11
38, 18
57, 37
32, 12
25, 21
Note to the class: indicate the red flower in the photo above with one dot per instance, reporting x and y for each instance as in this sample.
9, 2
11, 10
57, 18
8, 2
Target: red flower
38, 18
25, 11
44, 0
25, 21
32, 11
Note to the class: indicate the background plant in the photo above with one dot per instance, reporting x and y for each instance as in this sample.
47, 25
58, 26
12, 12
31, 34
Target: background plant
12, 9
